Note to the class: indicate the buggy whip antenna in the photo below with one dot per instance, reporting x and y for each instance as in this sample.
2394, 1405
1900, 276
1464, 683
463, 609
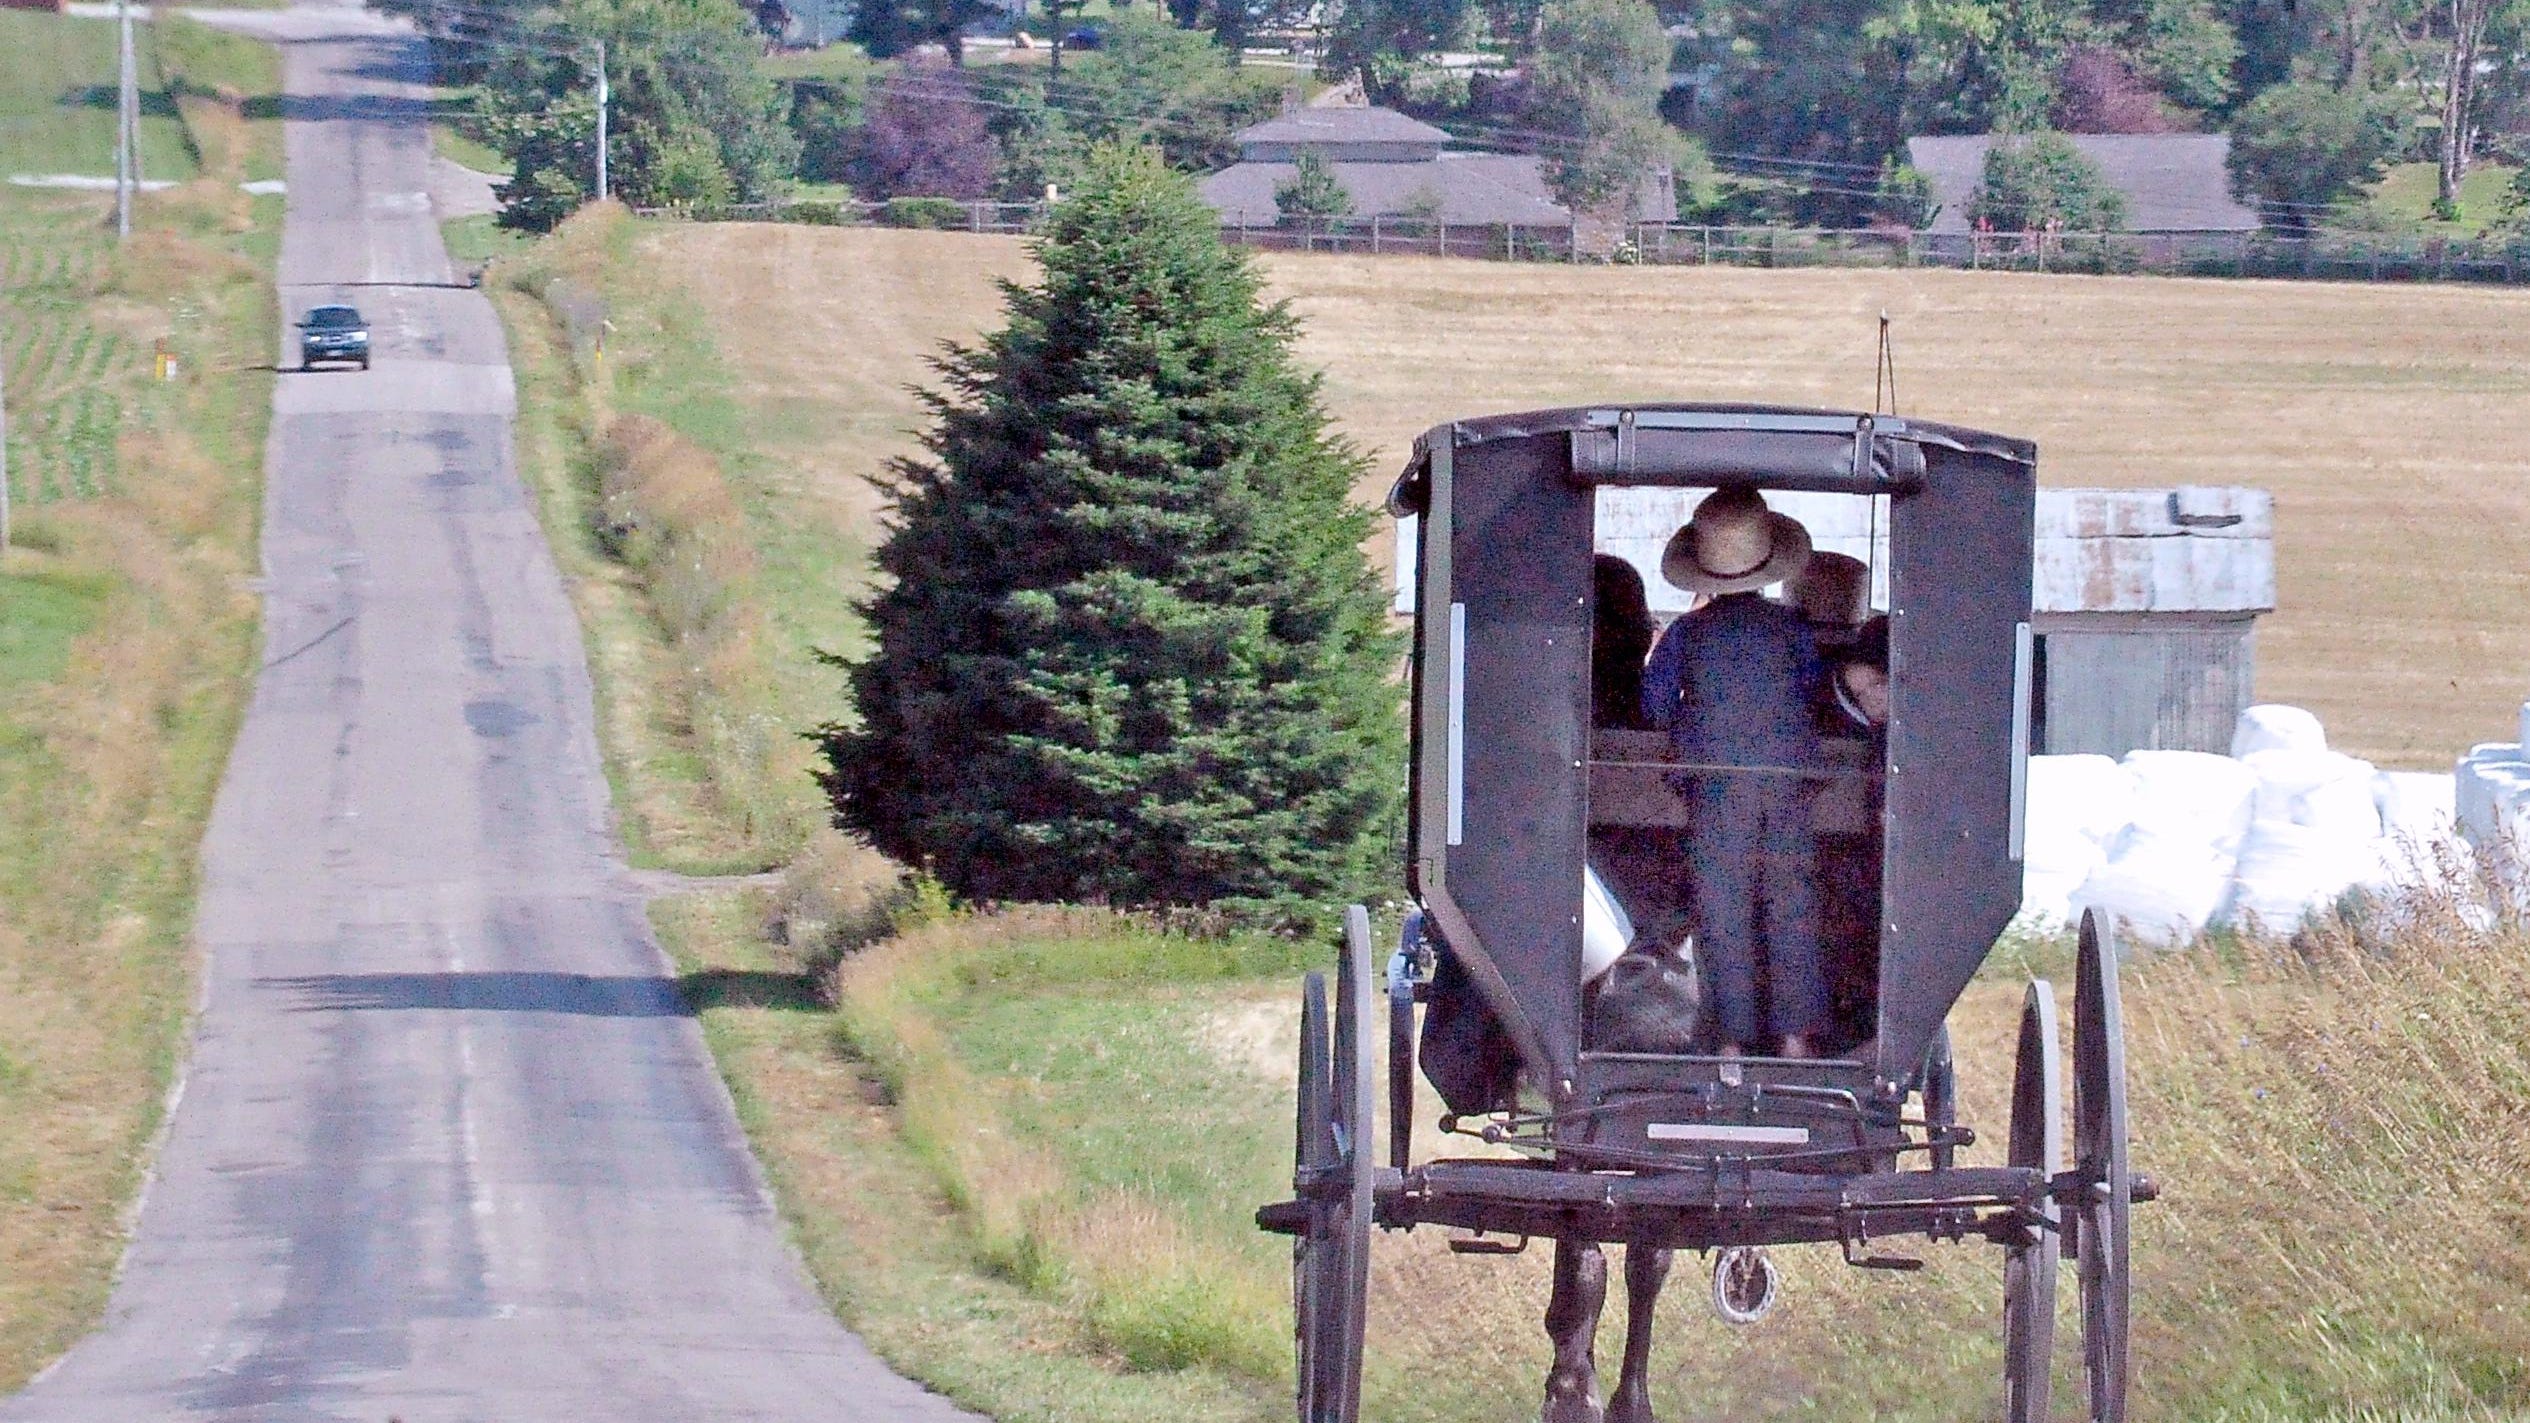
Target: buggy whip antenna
1884, 373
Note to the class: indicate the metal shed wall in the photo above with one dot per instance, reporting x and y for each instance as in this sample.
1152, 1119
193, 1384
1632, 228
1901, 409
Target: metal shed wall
2117, 685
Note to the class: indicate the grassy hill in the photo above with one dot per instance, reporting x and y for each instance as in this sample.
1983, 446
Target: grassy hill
1019, 1151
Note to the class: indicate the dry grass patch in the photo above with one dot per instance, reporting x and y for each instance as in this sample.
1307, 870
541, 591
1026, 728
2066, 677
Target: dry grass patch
114, 724
2381, 416
2335, 1129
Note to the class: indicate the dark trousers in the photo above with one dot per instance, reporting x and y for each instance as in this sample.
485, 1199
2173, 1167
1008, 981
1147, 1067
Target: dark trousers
1752, 880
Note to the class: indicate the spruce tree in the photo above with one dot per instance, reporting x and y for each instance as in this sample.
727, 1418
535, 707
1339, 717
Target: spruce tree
1131, 652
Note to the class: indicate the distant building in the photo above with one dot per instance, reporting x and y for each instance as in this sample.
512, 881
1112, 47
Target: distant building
1397, 167
2172, 182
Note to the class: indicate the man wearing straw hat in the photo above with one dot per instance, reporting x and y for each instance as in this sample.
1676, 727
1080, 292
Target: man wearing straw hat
1734, 683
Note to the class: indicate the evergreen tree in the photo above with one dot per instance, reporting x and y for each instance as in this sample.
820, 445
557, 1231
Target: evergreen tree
1312, 193
1131, 651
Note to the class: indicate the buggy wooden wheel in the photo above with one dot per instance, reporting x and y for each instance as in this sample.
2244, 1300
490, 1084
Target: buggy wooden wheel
2029, 1264
1331, 1256
2099, 1128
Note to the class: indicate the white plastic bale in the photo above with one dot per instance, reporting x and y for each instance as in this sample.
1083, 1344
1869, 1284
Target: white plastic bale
2323, 790
2272, 726
2184, 796
2061, 849
2287, 872
2490, 793
2162, 889
2046, 896
2088, 795
2419, 824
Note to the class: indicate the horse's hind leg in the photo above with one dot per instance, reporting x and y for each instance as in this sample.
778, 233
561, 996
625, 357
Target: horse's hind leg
1646, 1270
1572, 1323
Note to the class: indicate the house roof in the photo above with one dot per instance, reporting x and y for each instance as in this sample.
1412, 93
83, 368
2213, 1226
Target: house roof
2173, 182
1453, 187
1335, 125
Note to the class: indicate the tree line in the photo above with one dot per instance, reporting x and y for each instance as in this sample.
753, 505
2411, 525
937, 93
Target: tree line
1766, 110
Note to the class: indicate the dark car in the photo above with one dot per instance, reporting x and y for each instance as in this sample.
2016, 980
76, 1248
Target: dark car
333, 333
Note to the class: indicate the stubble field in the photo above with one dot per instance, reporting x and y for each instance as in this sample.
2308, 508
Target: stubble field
2295, 1270
2385, 419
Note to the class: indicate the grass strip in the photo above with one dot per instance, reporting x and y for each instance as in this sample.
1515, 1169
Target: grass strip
616, 378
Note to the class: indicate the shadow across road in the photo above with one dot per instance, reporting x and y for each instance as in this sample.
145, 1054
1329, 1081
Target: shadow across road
570, 994
581, 995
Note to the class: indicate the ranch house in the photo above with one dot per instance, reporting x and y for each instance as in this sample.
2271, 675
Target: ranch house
2173, 183
1399, 168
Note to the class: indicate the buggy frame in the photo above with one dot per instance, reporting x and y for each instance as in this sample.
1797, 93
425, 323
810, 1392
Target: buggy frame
1710, 1152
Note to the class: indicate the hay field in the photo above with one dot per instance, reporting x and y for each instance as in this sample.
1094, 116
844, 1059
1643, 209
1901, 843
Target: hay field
2384, 418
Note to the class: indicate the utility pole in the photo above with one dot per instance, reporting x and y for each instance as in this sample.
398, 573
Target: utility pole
127, 154
601, 121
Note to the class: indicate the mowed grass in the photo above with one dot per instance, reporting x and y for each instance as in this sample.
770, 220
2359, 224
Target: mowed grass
57, 97
2405, 195
2383, 418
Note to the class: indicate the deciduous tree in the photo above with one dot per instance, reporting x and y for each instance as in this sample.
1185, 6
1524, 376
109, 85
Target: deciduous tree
1595, 78
692, 118
2303, 146
2036, 181
925, 137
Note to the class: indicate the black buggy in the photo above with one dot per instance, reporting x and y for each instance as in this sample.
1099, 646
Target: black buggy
1511, 782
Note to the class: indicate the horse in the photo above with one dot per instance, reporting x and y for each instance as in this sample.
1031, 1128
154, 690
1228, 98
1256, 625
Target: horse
1649, 1000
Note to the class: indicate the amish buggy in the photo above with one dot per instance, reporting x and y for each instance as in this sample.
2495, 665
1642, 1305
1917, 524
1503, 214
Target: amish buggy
1631, 1102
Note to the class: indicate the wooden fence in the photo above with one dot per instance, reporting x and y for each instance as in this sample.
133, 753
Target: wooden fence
2320, 255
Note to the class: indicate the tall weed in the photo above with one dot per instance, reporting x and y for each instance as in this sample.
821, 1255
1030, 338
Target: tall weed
659, 504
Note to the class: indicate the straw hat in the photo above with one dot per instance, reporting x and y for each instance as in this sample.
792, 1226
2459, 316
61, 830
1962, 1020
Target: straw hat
1833, 590
1734, 544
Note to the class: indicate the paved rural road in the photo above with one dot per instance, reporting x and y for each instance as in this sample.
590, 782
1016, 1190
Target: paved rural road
448, 1147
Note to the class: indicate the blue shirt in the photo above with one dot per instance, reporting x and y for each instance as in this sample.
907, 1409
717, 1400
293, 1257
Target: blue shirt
1735, 683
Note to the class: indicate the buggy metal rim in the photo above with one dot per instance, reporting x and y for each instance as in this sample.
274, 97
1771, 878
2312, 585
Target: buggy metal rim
2103, 1240
1941, 1102
1312, 1157
2029, 1264
1331, 1257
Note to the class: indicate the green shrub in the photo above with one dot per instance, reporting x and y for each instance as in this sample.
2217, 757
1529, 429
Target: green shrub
928, 214
822, 213
2040, 180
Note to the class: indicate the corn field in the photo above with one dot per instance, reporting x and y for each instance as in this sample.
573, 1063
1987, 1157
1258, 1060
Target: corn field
72, 380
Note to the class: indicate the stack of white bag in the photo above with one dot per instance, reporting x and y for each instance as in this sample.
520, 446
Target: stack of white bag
2168, 873
2171, 843
2494, 802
